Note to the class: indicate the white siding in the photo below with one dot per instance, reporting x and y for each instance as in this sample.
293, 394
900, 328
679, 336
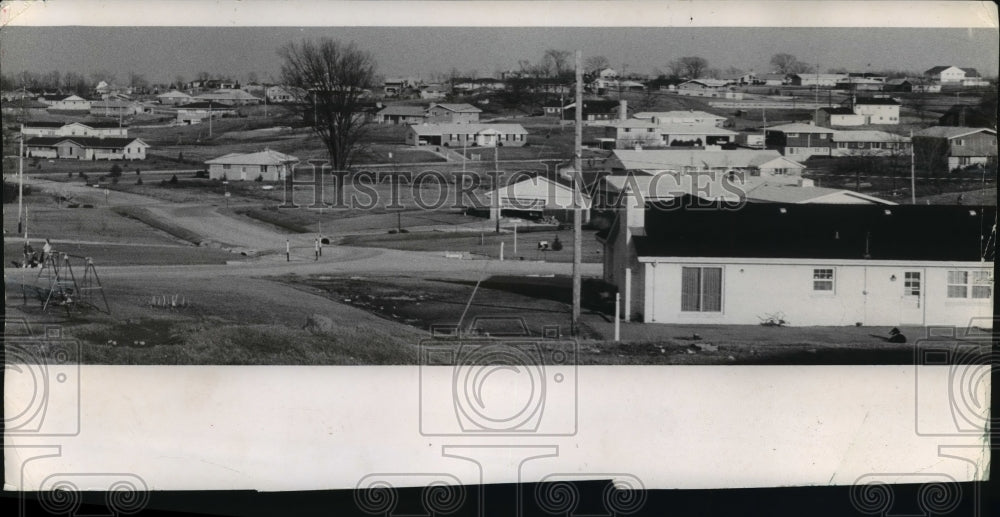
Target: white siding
865, 294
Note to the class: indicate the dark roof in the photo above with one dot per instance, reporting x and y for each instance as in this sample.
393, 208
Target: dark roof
54, 97
44, 124
838, 111
691, 227
876, 100
936, 70
971, 72
99, 124
83, 141
206, 105
597, 106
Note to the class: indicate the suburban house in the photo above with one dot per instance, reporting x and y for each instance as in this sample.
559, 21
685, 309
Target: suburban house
115, 108
534, 197
65, 102
767, 164
607, 73
468, 134
174, 97
633, 132
196, 112
453, 113
799, 141
877, 110
97, 129
401, 115
86, 148
593, 110
901, 85
869, 143
771, 79
946, 74
861, 84
268, 165
703, 87
956, 147
818, 80
551, 110
972, 78
681, 117
689, 261
809, 194
232, 97
284, 94
433, 92
25, 107
839, 116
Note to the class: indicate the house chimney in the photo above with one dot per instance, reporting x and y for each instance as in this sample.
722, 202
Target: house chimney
622, 110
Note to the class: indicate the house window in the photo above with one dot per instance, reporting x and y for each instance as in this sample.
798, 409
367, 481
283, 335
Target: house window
791, 135
959, 285
650, 130
842, 145
911, 283
823, 280
226, 166
701, 289
822, 136
958, 141
628, 130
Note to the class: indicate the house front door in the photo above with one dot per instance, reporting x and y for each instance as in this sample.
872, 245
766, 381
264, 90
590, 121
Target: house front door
911, 307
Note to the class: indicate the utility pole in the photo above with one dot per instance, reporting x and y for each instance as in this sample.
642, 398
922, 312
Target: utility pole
20, 181
496, 174
913, 173
577, 216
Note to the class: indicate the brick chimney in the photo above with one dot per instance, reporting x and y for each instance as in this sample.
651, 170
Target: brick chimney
623, 110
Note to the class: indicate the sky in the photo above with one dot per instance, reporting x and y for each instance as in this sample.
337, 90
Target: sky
162, 53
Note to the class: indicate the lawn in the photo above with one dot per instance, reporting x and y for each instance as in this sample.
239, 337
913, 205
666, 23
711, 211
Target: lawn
48, 219
487, 243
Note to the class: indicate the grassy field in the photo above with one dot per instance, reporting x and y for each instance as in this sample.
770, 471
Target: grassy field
486, 243
49, 219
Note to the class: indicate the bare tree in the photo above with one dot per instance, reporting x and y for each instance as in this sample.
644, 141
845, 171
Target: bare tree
783, 63
76, 83
203, 76
179, 82
595, 64
676, 69
690, 67
252, 78
557, 61
335, 75
52, 80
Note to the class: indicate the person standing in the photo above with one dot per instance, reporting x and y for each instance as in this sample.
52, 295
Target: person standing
288, 251
46, 250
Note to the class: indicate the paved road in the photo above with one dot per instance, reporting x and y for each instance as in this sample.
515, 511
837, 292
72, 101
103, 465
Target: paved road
241, 232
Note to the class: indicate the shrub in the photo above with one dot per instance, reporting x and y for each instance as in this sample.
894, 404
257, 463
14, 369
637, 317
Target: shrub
138, 181
69, 174
116, 171
180, 156
137, 171
86, 179
81, 174
260, 178
557, 244
173, 179
201, 174
114, 181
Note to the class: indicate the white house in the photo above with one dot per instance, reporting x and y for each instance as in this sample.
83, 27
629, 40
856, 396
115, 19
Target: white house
817, 80
808, 264
98, 129
196, 112
86, 148
767, 164
229, 96
869, 143
634, 132
534, 196
283, 94
174, 98
467, 134
65, 102
877, 110
839, 116
268, 165
945, 74
681, 117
